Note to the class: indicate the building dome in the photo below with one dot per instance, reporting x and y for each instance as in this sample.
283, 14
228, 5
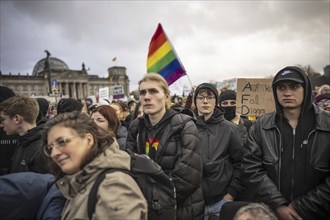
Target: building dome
54, 64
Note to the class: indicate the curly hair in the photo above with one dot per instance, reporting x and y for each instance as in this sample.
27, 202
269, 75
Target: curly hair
82, 124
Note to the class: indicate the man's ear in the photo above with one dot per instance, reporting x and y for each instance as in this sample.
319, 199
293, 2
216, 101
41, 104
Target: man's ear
18, 118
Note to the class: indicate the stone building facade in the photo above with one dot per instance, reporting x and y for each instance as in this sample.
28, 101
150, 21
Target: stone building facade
52, 76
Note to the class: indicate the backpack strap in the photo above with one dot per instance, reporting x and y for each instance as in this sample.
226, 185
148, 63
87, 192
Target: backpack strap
92, 197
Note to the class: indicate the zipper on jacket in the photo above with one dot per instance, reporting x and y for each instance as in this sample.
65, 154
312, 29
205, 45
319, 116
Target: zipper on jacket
293, 156
279, 159
308, 156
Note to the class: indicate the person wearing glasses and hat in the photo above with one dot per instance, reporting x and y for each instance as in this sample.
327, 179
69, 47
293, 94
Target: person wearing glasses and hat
221, 145
286, 162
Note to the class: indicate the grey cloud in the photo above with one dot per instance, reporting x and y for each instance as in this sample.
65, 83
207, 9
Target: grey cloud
202, 31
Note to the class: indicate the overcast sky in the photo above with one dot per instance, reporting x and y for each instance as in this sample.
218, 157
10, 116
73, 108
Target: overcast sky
215, 40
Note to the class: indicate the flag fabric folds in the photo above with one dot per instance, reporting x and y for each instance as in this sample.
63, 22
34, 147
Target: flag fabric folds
163, 59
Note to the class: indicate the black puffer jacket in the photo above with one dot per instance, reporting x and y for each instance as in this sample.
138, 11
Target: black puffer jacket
179, 156
221, 146
28, 155
262, 161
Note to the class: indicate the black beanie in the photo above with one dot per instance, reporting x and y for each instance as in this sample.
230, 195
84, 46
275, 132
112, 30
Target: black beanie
210, 87
43, 106
5, 93
69, 105
227, 95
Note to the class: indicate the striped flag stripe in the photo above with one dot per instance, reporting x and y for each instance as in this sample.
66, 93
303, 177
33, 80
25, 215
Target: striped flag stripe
161, 39
163, 62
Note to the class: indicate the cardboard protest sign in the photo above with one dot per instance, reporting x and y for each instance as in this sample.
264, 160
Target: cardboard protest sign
254, 97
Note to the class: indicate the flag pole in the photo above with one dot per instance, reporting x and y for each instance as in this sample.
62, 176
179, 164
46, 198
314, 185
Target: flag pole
189, 80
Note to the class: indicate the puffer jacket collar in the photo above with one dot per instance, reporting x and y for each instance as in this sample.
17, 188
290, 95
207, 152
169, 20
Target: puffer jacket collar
168, 115
31, 136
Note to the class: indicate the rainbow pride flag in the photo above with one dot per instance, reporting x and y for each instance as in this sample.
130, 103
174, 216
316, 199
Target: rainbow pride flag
163, 59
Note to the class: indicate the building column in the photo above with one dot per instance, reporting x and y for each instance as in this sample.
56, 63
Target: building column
80, 91
83, 90
67, 88
86, 89
60, 88
74, 91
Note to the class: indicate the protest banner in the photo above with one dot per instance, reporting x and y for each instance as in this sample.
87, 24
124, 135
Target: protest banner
254, 97
118, 92
103, 93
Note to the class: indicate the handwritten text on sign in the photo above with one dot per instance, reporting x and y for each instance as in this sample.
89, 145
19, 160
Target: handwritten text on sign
254, 96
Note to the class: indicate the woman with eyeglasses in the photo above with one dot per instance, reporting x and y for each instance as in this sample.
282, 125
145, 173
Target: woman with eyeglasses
77, 153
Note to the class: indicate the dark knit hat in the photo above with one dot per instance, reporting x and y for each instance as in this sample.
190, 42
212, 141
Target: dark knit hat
227, 95
207, 86
320, 97
290, 74
130, 101
5, 93
43, 105
69, 105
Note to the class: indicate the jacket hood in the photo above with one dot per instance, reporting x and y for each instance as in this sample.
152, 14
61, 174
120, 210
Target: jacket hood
217, 117
299, 76
43, 108
32, 135
112, 158
168, 115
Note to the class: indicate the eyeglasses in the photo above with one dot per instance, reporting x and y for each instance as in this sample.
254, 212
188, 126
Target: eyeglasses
323, 103
208, 98
59, 144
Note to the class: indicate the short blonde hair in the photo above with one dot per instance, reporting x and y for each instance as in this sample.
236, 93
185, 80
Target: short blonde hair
256, 211
155, 77
323, 89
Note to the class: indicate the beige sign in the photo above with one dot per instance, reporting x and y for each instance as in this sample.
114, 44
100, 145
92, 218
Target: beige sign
254, 97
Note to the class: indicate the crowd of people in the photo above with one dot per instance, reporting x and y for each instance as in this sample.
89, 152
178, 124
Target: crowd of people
222, 165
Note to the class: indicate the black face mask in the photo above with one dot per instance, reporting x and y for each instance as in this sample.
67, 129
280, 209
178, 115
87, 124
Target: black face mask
230, 112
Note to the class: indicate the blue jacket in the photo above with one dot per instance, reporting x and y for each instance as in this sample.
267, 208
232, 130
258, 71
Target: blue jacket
28, 195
